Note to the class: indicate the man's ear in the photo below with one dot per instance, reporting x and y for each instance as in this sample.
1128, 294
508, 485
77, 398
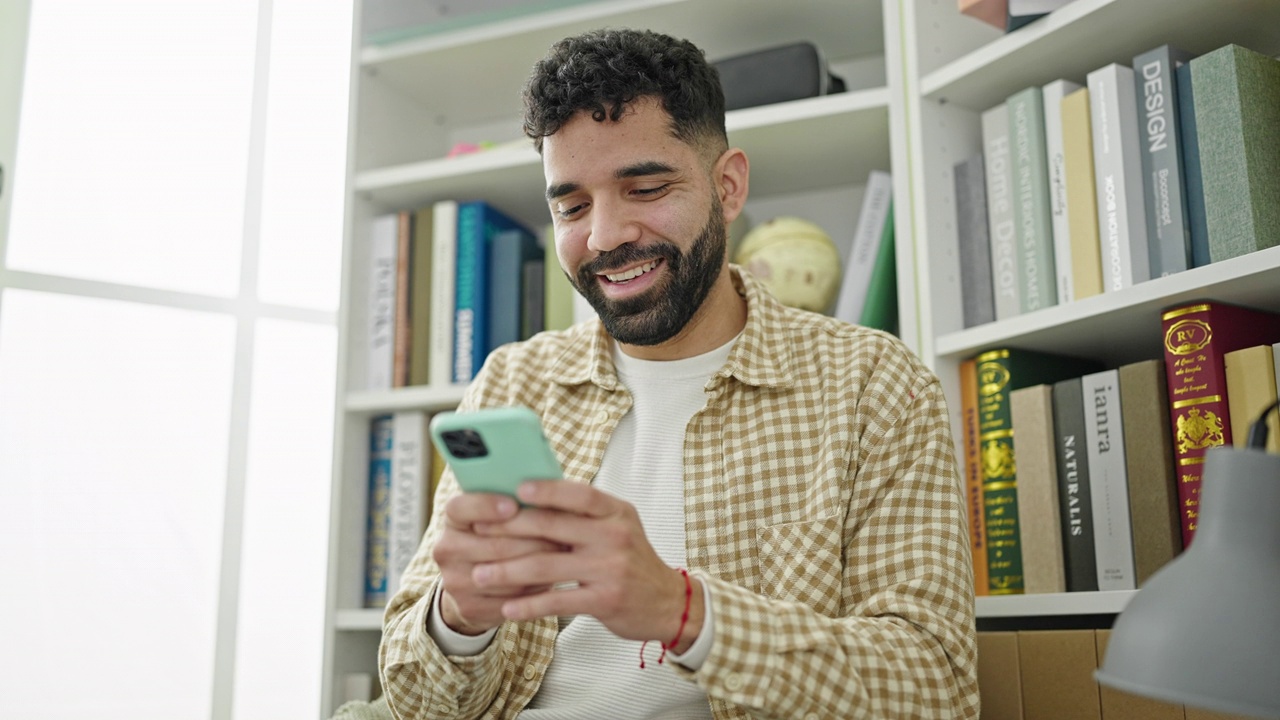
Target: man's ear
731, 175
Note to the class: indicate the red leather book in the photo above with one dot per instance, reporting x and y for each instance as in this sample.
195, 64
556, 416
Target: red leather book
1196, 336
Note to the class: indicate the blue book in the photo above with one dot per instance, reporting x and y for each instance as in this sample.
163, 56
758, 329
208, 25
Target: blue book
478, 222
509, 251
1190, 141
378, 527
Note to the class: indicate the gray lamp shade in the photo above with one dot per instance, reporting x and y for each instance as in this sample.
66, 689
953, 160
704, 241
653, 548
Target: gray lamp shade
1205, 630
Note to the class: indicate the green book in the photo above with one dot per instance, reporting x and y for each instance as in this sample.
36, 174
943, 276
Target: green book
420, 297
999, 373
557, 291
1032, 219
880, 311
1237, 108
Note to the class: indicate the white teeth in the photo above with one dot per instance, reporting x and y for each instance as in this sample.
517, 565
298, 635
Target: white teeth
632, 273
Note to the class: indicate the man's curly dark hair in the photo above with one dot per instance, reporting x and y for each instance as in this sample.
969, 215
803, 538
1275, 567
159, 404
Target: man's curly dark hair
604, 71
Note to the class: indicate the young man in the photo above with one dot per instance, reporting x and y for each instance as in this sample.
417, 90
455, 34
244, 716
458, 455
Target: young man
800, 468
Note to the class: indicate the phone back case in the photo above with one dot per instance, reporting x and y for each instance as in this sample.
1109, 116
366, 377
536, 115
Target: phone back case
495, 449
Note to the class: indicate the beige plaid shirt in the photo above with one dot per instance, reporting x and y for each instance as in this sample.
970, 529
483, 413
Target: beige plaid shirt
823, 510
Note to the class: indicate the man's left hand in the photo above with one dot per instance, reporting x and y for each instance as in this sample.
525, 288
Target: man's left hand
620, 580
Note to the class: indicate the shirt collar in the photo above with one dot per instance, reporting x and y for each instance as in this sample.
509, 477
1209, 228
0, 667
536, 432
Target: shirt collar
756, 359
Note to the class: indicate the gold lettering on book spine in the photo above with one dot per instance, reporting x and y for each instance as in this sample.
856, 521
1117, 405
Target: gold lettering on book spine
1187, 336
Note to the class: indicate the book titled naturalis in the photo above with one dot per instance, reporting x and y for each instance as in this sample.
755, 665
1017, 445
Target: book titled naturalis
999, 373
1196, 337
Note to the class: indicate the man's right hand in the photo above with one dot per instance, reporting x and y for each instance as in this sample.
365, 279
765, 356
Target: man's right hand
465, 608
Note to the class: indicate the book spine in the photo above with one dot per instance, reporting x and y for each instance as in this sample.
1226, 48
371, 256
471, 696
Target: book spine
377, 528
1197, 402
1117, 162
865, 247
403, 319
1156, 94
1197, 225
420, 299
505, 278
1251, 388
1033, 224
999, 474
1075, 502
1039, 523
973, 243
973, 474
1148, 452
1238, 120
1082, 203
408, 501
533, 302
443, 272
1004, 255
1055, 157
382, 303
470, 266
880, 311
557, 291
1104, 437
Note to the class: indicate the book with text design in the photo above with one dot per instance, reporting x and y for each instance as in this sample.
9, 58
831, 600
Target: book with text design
1197, 335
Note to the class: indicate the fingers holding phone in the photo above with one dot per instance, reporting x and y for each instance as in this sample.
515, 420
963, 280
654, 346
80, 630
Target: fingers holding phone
466, 607
491, 452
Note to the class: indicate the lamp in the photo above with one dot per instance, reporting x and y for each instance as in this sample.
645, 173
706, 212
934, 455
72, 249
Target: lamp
1205, 629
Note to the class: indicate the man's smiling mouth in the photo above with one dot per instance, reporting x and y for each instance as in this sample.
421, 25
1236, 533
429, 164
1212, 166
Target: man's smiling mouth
633, 273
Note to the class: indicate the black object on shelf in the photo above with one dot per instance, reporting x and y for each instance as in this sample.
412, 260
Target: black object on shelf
773, 75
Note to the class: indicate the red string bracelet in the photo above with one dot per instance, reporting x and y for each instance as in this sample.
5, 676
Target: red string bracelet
684, 618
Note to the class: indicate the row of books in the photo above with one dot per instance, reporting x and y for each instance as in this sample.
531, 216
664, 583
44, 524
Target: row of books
1083, 478
1140, 173
404, 468
449, 283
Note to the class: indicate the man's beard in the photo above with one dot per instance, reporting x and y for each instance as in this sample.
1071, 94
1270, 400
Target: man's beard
664, 309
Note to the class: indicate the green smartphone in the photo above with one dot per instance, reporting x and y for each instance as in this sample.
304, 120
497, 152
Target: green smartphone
495, 449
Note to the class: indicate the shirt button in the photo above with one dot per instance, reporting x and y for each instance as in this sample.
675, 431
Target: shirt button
733, 681
811, 716
529, 672
444, 710
602, 417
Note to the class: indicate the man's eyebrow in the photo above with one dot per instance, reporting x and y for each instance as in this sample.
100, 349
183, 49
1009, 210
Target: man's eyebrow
642, 169
561, 189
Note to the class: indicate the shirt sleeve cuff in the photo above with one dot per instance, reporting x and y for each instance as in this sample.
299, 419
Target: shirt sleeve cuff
455, 643
697, 653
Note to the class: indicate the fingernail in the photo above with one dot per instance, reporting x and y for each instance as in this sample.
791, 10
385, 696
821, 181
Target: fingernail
481, 573
526, 491
506, 507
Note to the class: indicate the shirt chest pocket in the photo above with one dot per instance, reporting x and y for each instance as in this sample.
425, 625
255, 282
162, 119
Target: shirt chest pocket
803, 561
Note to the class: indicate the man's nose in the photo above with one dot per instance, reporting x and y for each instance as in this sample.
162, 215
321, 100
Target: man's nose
611, 227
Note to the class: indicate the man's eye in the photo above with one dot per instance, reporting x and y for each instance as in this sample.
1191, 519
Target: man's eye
650, 192
570, 211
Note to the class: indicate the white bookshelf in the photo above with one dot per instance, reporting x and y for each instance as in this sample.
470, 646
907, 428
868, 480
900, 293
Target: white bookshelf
415, 99
955, 68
